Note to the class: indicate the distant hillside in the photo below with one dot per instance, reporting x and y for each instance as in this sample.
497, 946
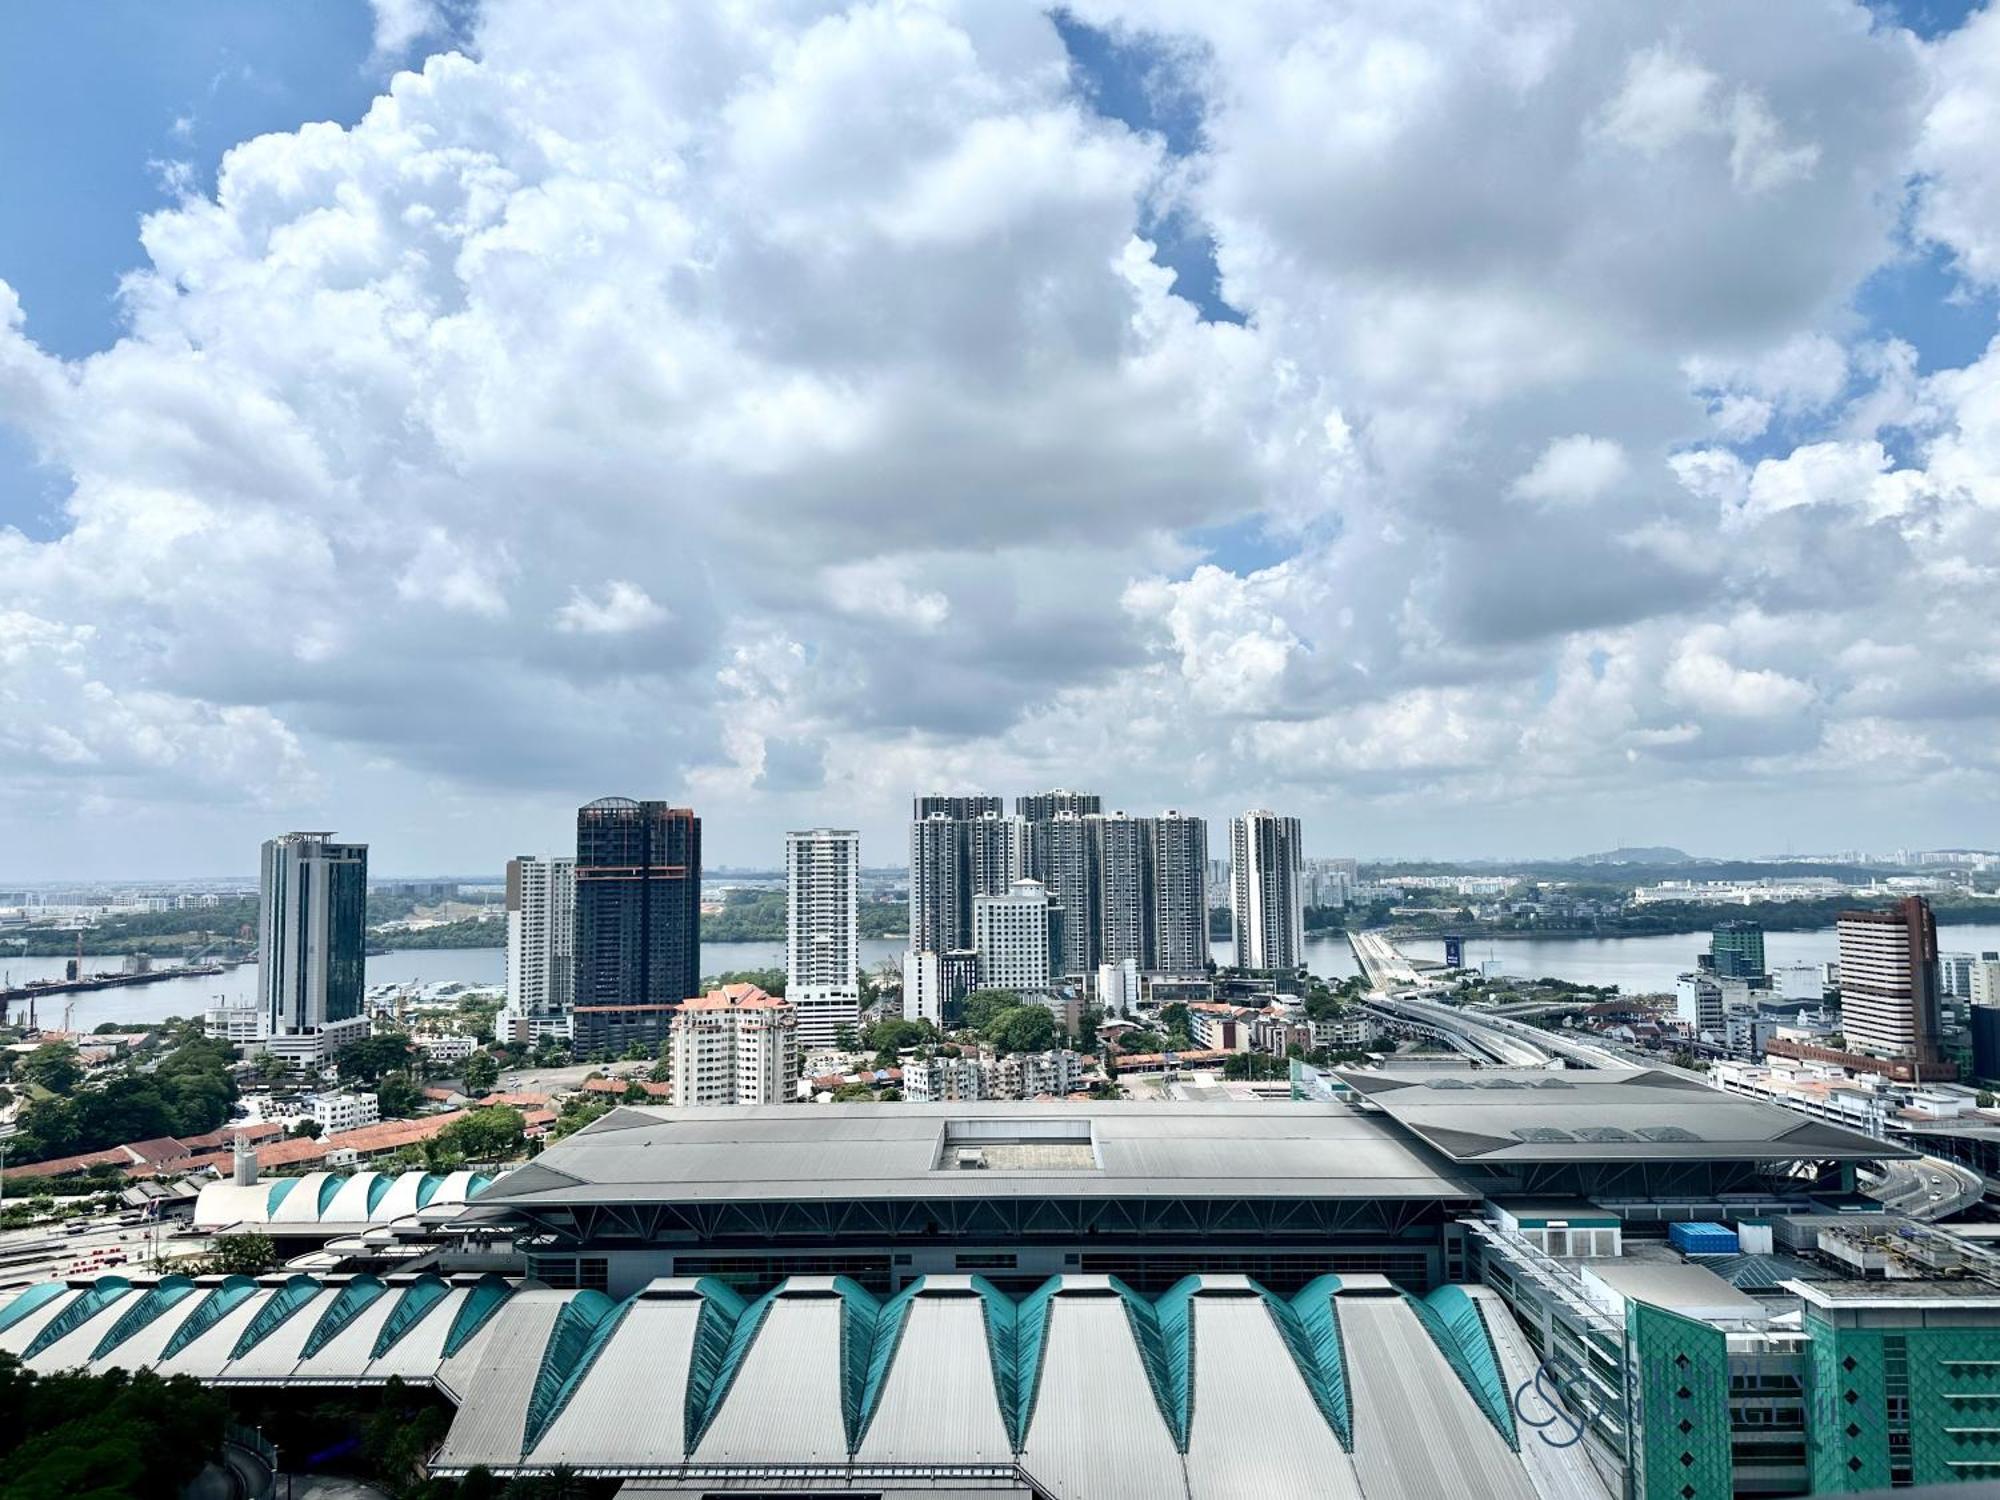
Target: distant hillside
1650, 854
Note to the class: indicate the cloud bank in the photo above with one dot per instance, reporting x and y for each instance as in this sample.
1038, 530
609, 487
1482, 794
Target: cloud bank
785, 406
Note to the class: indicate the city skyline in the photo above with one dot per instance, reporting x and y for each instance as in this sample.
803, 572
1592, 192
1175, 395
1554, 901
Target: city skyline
1615, 467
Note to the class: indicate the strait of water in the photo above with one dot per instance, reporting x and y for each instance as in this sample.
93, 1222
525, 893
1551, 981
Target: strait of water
1638, 965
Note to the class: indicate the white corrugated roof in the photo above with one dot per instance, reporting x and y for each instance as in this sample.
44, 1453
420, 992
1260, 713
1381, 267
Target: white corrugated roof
938, 1404
793, 1367
1418, 1433
1252, 1432
1096, 1429
650, 1352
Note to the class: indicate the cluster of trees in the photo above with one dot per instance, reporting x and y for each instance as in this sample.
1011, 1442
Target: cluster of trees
1007, 1023
466, 932
187, 1091
759, 917
114, 1434
490, 1134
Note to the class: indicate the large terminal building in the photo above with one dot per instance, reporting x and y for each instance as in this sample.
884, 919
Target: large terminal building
1443, 1283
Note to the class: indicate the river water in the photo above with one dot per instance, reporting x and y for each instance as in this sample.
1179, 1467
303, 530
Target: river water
1638, 965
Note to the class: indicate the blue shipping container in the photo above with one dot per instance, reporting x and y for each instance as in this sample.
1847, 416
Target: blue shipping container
1702, 1239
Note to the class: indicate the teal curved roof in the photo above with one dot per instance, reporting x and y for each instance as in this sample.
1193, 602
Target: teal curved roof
281, 1189
870, 1331
329, 1185
580, 1332
1456, 1326
275, 1313
170, 1293
416, 1303
722, 1338
1310, 1327
211, 1310
41, 1294
347, 1305
482, 1302
87, 1304
378, 1190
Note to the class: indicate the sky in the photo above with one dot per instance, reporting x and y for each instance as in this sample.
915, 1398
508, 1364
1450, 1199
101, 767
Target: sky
1478, 427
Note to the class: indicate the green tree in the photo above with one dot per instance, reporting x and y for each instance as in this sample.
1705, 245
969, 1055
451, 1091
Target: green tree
894, 1035
981, 1006
310, 1130
491, 1134
241, 1255
368, 1059
399, 1096
1025, 1028
854, 1093
481, 1073
577, 1113
54, 1067
103, 1436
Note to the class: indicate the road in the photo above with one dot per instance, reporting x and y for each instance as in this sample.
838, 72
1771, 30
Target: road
1927, 1189
41, 1254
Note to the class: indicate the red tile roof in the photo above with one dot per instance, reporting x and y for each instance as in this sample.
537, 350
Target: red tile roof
740, 996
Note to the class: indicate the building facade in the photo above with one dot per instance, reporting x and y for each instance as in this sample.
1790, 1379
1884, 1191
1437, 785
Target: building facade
1064, 853
1698, 1002
337, 1112
312, 916
960, 847
1266, 865
1019, 937
541, 946
1736, 950
823, 931
638, 903
606, 1032
735, 1045
1889, 981
935, 983
1180, 893
1983, 983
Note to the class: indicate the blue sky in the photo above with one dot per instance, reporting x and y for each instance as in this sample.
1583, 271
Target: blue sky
84, 158
1418, 658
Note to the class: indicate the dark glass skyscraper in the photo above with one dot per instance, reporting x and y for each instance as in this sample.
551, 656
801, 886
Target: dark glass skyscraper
638, 903
312, 917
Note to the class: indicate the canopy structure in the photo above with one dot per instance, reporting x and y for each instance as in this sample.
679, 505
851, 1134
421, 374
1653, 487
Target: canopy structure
337, 1203
1217, 1388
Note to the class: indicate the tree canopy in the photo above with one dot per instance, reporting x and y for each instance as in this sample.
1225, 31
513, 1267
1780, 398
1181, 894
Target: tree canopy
102, 1437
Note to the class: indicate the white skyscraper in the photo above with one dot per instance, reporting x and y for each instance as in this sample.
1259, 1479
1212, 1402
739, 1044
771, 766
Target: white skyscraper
823, 931
312, 914
541, 947
1266, 870
1019, 937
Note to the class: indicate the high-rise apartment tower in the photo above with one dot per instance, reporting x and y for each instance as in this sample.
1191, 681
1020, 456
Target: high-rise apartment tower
1889, 981
638, 903
823, 931
541, 946
1266, 866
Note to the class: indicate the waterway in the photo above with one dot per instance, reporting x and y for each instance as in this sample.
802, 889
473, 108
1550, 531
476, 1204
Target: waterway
1637, 965
1648, 965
